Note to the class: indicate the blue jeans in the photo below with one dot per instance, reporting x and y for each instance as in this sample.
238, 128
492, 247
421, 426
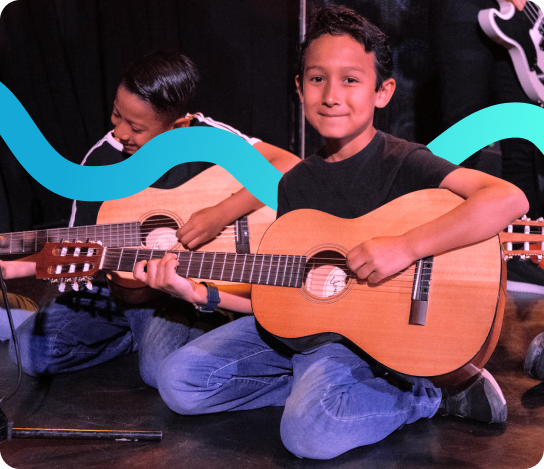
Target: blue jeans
82, 329
334, 400
21, 309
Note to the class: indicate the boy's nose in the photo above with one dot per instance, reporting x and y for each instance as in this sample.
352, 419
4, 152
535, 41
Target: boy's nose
122, 131
331, 95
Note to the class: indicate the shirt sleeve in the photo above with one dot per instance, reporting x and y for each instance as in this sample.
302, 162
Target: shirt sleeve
421, 169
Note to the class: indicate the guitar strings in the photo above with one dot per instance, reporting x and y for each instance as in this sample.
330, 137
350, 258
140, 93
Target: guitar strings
133, 238
533, 13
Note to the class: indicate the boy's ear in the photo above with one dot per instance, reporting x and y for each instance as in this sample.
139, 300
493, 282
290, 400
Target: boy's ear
385, 93
299, 89
182, 122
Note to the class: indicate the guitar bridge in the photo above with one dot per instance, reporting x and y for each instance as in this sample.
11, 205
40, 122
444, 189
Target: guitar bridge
420, 291
242, 236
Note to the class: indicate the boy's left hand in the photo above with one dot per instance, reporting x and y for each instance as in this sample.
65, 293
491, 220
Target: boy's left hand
202, 226
379, 258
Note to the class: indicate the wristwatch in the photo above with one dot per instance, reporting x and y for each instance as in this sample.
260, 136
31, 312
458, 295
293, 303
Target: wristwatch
212, 298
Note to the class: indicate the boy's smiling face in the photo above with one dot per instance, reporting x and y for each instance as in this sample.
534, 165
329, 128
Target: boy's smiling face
338, 93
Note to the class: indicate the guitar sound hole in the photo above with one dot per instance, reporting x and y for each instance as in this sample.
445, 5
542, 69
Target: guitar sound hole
326, 274
159, 232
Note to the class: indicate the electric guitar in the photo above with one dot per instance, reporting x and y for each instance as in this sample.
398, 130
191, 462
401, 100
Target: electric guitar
150, 220
440, 318
521, 32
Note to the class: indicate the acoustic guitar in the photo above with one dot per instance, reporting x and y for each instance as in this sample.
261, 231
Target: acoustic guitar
440, 318
150, 220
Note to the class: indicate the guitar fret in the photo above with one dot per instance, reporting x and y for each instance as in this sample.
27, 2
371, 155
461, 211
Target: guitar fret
284, 270
261, 271
200, 269
189, 264
268, 276
234, 267
243, 268
291, 275
252, 267
208, 265
303, 266
120, 257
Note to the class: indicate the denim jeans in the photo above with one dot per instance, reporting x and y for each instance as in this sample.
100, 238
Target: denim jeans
82, 329
334, 400
19, 316
21, 309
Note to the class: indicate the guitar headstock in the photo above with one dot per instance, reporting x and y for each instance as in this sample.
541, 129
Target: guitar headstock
69, 263
524, 238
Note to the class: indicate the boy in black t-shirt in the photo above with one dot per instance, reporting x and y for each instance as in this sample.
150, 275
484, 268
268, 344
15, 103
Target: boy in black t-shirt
334, 399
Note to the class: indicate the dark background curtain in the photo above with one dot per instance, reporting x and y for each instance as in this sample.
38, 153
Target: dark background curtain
63, 60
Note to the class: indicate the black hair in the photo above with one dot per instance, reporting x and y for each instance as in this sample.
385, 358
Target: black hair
338, 20
166, 80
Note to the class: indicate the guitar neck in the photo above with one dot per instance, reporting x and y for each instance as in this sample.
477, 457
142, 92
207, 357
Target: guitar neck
262, 269
115, 234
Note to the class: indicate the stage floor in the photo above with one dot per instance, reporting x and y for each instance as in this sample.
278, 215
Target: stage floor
113, 396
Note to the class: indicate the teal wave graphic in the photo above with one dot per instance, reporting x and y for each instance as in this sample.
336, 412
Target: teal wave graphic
511, 120
231, 152
97, 183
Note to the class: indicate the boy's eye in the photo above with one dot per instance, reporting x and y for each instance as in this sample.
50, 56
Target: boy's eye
352, 80
136, 131
316, 79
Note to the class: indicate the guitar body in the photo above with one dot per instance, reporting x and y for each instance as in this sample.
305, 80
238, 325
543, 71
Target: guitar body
522, 38
162, 212
466, 297
439, 318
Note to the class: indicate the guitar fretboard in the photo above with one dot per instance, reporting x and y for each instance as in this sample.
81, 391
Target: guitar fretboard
114, 235
262, 269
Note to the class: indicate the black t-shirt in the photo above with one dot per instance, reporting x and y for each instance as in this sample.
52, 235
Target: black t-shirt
108, 151
387, 168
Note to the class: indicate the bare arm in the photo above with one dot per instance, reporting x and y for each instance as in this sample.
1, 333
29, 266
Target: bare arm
161, 275
208, 223
17, 269
490, 205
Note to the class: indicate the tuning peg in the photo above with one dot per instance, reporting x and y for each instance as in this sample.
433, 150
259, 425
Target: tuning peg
89, 284
75, 286
62, 287
94, 242
524, 217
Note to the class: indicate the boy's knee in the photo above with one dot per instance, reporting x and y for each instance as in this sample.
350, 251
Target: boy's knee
300, 437
180, 384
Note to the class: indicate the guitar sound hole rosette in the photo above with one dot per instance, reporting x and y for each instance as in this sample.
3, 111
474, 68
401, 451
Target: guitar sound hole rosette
327, 277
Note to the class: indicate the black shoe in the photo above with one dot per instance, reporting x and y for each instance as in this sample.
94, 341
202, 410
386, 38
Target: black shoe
534, 360
482, 401
524, 276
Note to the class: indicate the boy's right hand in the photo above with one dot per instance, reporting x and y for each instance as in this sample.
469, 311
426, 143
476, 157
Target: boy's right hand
379, 258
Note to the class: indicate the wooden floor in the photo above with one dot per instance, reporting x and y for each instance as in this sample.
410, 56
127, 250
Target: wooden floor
113, 396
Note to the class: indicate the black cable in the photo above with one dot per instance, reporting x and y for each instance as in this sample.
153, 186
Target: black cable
15, 343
